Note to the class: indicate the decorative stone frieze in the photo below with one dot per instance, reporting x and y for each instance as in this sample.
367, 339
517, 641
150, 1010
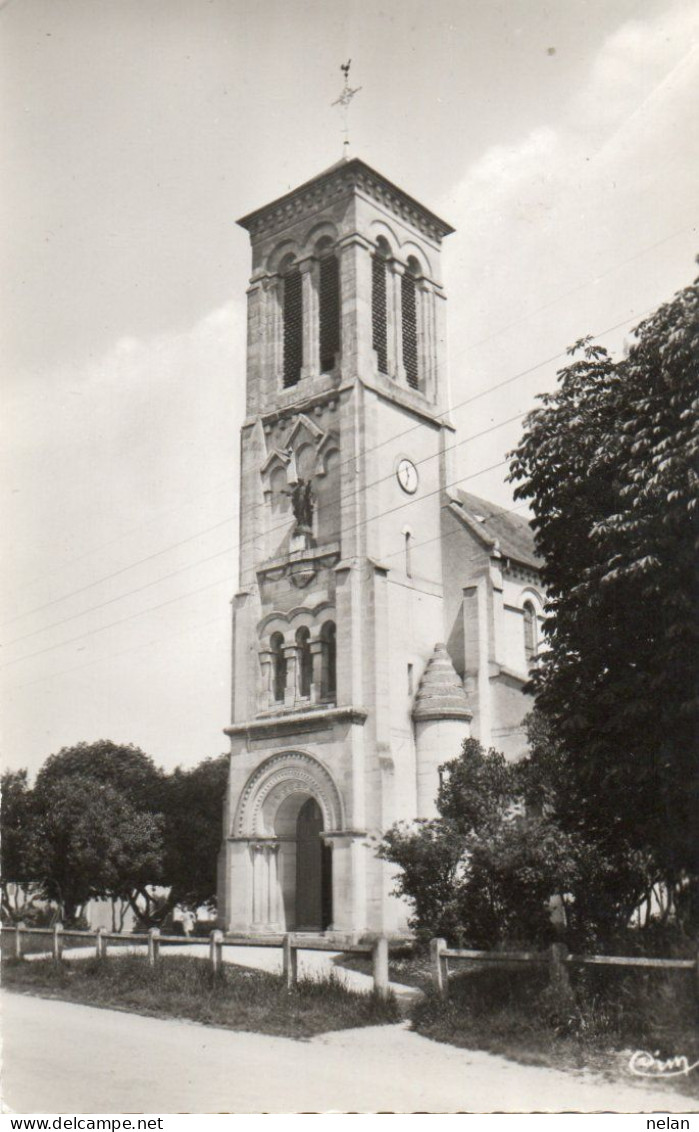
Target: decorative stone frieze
340, 180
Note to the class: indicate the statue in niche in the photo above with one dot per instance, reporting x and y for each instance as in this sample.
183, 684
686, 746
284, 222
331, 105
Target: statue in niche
302, 504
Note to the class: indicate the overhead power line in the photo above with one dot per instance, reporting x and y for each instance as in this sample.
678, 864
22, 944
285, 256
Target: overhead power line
388, 440
219, 618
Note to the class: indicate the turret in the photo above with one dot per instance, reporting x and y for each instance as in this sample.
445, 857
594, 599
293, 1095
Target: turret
442, 719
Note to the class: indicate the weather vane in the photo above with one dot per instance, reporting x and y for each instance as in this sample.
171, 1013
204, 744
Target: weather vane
344, 100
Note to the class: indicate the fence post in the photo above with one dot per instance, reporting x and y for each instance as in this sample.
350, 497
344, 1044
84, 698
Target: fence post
100, 950
57, 942
19, 928
153, 946
439, 979
379, 955
216, 950
289, 962
558, 970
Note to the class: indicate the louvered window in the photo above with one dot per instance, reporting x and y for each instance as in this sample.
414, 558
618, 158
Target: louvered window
409, 318
329, 291
293, 328
379, 337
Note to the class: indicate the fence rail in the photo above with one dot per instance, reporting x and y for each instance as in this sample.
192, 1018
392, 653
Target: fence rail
557, 958
290, 943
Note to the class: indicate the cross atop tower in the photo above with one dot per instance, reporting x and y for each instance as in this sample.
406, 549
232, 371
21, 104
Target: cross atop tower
344, 100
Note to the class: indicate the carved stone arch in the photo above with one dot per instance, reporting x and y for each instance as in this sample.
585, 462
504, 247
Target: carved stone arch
380, 228
325, 230
283, 774
304, 423
273, 621
308, 615
276, 458
410, 250
280, 252
529, 593
329, 443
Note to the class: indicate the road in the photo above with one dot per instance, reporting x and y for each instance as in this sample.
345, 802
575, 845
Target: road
66, 1058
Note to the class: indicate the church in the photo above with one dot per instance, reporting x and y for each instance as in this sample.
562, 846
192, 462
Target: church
383, 614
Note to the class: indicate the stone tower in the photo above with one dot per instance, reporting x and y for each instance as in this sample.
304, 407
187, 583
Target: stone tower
344, 475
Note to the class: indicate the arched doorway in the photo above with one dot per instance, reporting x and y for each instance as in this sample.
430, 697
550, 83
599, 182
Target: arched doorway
304, 865
313, 895
287, 820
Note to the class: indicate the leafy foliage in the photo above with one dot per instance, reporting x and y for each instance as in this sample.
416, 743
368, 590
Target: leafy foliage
194, 807
95, 843
609, 464
482, 872
20, 846
103, 821
503, 865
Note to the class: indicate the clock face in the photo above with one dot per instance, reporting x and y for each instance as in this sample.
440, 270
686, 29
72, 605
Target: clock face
407, 475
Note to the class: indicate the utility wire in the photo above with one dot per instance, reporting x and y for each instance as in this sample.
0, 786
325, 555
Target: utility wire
236, 546
471, 346
190, 593
397, 436
219, 618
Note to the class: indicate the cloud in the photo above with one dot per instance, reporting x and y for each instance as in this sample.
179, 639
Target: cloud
632, 64
583, 223
148, 424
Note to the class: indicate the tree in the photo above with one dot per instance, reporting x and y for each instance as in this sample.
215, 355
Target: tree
194, 815
104, 821
609, 464
483, 871
99, 810
94, 843
19, 847
127, 768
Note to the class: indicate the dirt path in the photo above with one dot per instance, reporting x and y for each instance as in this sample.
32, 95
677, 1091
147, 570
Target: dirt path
63, 1057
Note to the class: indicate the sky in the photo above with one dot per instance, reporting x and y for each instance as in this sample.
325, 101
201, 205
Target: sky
559, 139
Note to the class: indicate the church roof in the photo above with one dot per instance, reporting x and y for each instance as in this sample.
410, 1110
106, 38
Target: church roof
347, 173
441, 694
495, 525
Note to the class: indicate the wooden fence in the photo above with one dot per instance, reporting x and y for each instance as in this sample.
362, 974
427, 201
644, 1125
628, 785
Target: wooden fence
289, 943
557, 959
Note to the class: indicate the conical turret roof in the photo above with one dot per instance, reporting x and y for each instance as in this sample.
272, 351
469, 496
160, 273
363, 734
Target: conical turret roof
441, 694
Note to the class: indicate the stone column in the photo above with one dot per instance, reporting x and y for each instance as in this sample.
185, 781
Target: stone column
274, 895
260, 877
273, 324
441, 385
395, 320
265, 697
425, 324
310, 272
255, 344
348, 880
317, 683
291, 690
358, 357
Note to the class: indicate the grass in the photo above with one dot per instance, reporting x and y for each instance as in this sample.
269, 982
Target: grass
612, 1012
184, 987
37, 944
406, 965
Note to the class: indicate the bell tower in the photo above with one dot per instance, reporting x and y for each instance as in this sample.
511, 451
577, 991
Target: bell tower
344, 468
